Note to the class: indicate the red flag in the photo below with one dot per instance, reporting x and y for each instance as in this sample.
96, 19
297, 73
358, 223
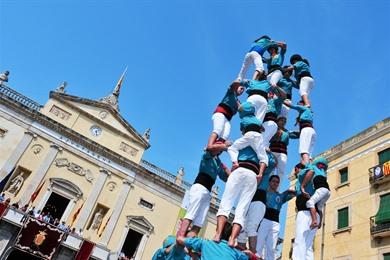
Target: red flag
76, 214
35, 194
105, 225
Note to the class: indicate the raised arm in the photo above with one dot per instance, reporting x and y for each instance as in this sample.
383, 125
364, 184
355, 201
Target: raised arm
279, 91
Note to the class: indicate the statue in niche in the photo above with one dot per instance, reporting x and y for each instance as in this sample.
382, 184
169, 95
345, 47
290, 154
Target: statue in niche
97, 220
16, 184
179, 176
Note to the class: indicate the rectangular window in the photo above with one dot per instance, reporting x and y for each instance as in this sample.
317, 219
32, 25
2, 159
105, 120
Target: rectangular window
384, 156
342, 218
343, 175
383, 214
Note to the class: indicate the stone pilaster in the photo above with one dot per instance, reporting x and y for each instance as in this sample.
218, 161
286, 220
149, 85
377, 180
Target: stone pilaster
91, 199
17, 153
116, 212
39, 174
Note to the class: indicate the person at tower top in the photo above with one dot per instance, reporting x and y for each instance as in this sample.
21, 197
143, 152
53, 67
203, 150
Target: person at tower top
275, 63
255, 55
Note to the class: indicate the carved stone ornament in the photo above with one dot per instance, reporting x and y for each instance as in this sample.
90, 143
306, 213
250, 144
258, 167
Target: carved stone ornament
37, 148
111, 186
128, 149
103, 114
75, 168
60, 112
3, 131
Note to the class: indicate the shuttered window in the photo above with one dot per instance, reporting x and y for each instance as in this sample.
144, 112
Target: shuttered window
383, 214
342, 218
384, 156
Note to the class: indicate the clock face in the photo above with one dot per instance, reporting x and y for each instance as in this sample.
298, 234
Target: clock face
95, 130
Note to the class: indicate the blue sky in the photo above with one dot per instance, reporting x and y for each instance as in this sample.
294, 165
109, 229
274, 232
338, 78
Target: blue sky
182, 55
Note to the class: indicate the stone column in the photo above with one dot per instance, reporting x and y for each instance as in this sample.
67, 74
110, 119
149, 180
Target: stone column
68, 209
17, 153
91, 199
45, 198
116, 212
37, 176
141, 247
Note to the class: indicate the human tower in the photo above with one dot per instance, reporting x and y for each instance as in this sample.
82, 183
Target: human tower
258, 159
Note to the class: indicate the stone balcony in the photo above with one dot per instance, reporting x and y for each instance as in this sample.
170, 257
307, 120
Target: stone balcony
379, 174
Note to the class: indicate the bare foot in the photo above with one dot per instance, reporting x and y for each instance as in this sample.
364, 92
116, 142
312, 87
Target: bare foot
232, 242
217, 238
314, 224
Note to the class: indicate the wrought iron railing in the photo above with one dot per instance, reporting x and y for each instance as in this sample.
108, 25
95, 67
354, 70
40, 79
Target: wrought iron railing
379, 172
376, 228
15, 96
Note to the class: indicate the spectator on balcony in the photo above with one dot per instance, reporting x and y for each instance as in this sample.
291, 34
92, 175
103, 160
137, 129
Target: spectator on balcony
2, 197
37, 214
62, 226
24, 208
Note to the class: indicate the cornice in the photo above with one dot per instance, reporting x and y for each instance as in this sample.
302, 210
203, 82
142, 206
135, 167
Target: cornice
368, 135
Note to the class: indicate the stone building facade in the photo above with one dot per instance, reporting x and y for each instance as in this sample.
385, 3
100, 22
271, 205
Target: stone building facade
357, 215
83, 157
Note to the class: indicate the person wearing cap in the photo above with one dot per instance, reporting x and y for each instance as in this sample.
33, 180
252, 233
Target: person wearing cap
255, 55
171, 251
275, 63
304, 235
268, 233
287, 84
308, 135
240, 187
275, 103
210, 168
251, 129
278, 145
317, 173
257, 208
303, 76
224, 112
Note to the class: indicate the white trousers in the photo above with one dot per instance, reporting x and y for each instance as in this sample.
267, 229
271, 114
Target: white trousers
241, 185
253, 217
306, 85
199, 198
251, 57
282, 161
221, 125
304, 236
284, 111
260, 104
274, 77
253, 139
307, 140
267, 236
270, 128
320, 197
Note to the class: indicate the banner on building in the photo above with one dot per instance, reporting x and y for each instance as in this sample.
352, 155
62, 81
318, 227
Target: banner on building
39, 238
380, 171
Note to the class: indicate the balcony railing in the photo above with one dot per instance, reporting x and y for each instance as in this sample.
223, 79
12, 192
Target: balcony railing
379, 229
15, 96
379, 173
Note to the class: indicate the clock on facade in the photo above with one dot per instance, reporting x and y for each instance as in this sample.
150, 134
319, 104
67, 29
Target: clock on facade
95, 130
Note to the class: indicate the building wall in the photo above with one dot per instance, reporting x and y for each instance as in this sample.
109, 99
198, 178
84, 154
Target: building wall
163, 194
354, 242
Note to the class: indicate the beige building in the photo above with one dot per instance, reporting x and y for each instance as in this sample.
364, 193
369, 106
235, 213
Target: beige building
80, 160
357, 215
